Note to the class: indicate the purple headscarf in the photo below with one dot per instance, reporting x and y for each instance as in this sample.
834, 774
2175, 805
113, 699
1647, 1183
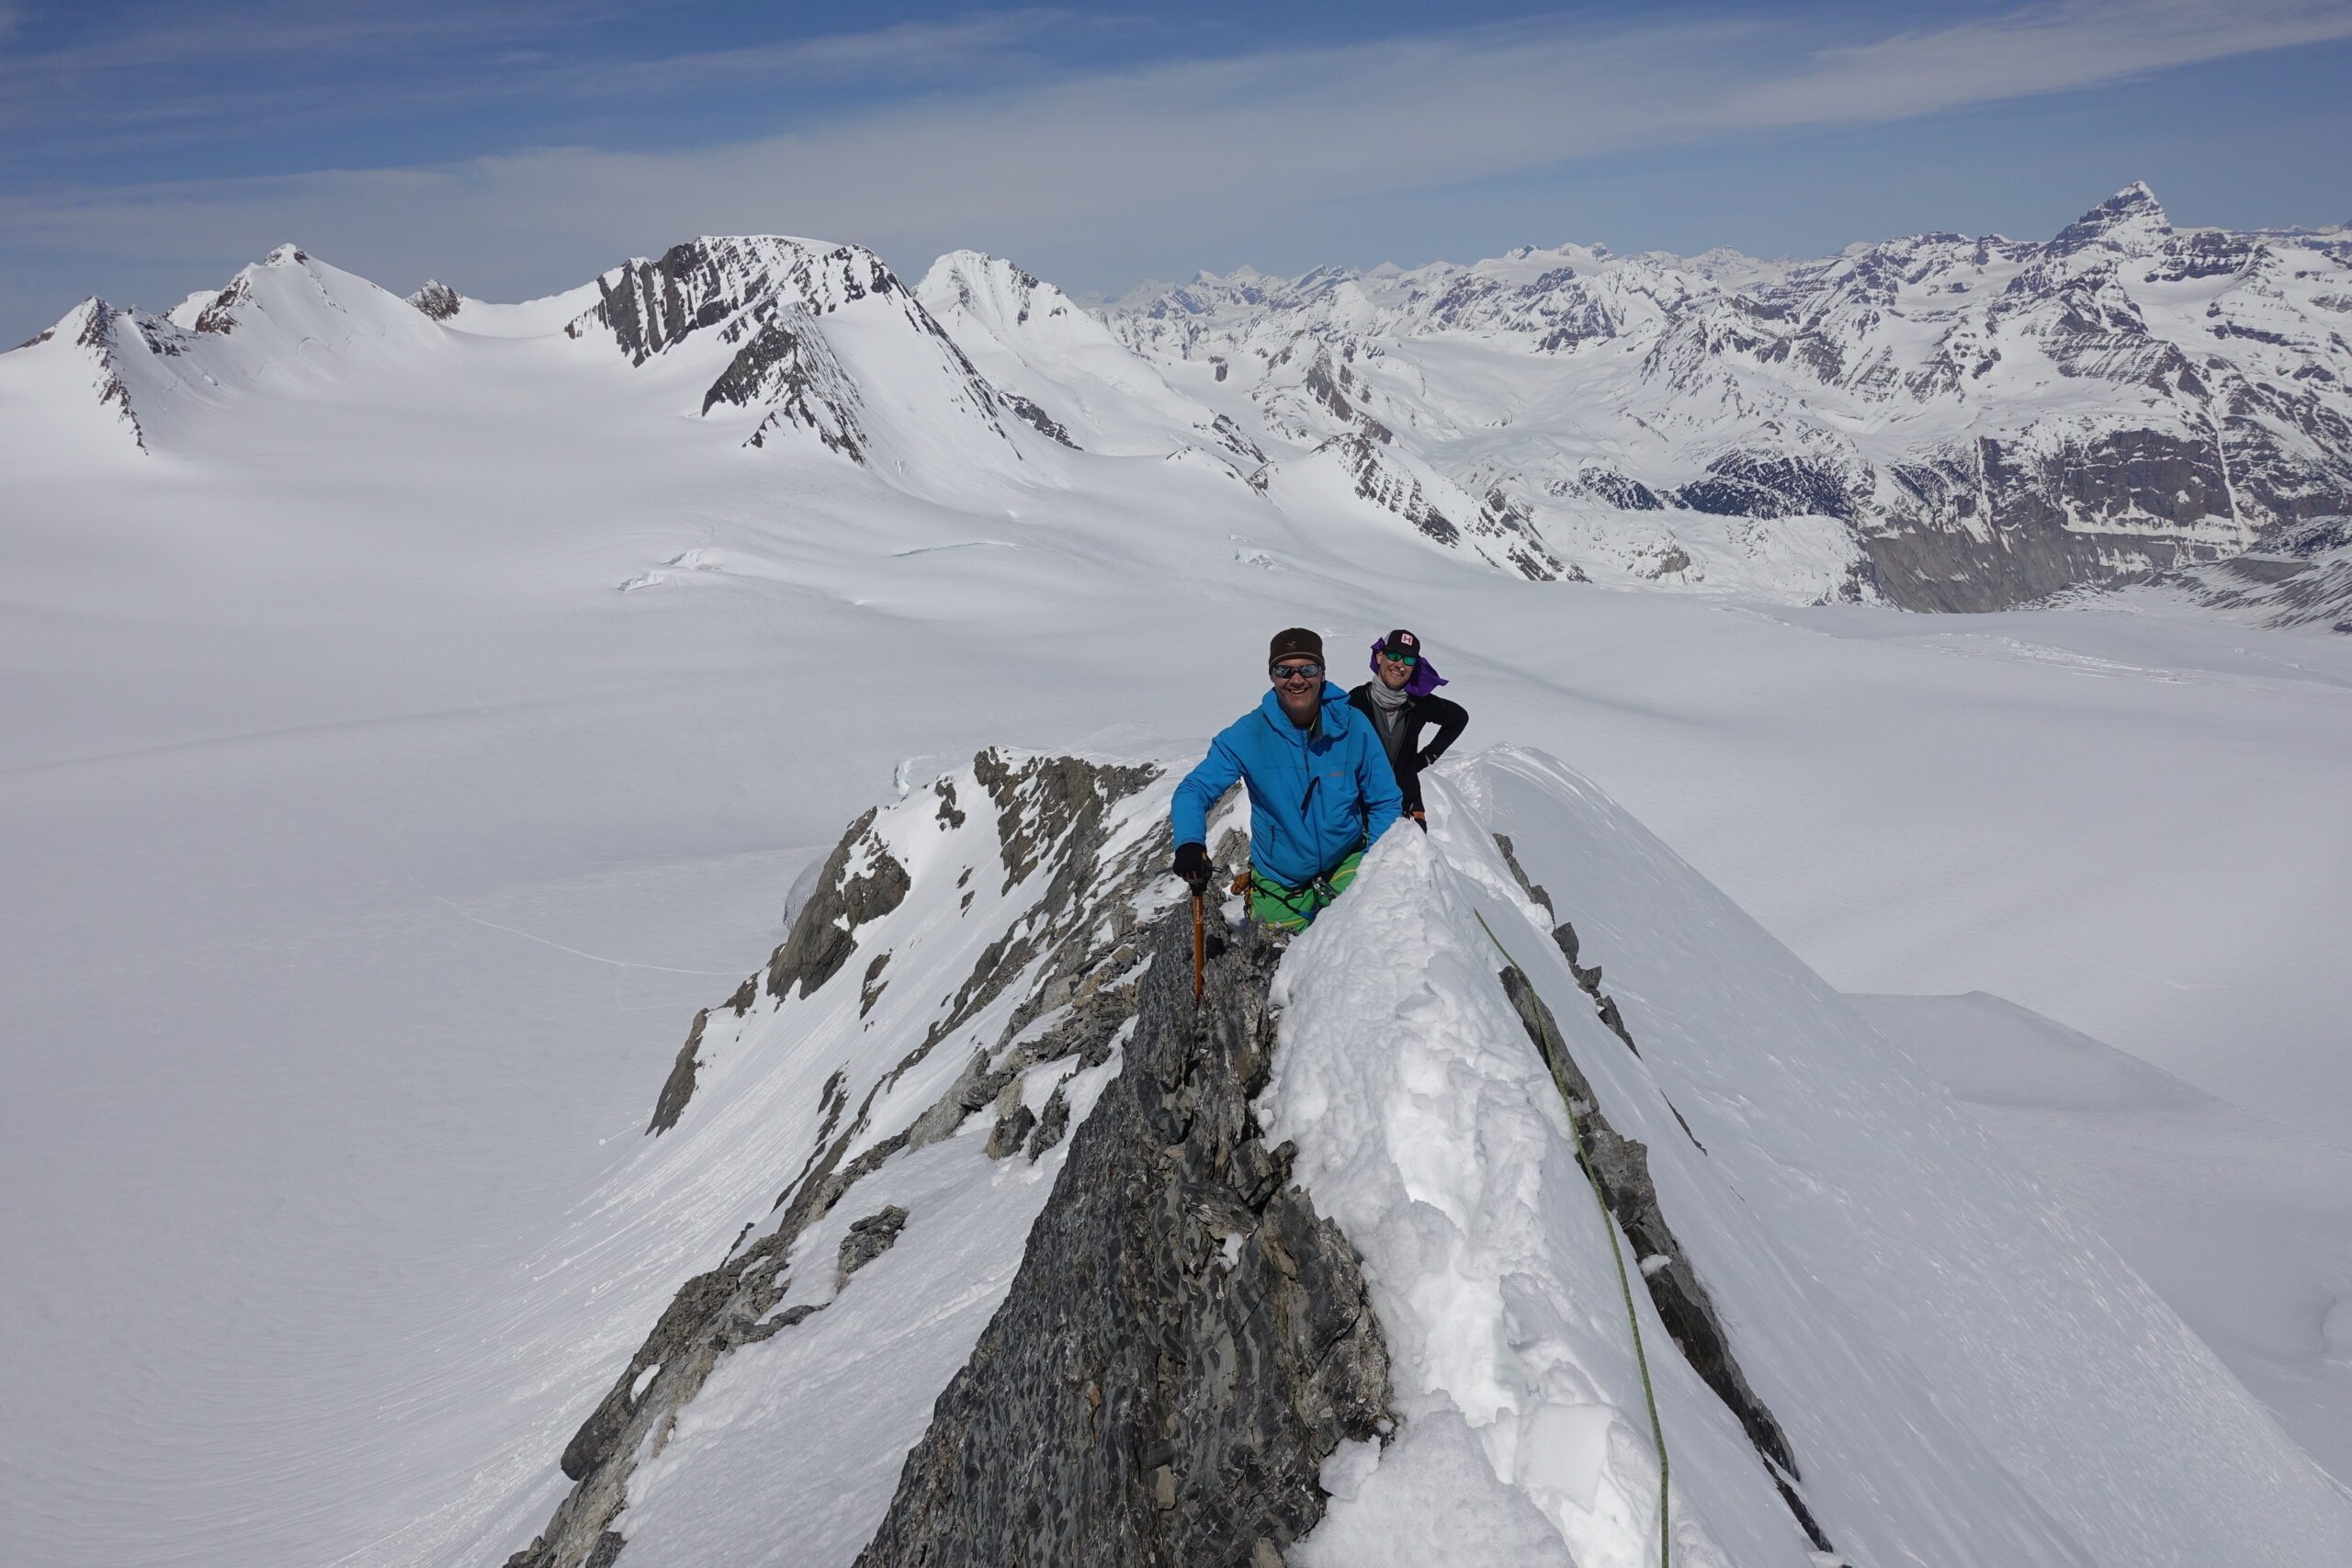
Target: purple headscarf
1425, 676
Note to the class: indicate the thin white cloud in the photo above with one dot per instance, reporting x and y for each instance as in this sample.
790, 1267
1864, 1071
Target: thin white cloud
1168, 149
267, 65
2041, 49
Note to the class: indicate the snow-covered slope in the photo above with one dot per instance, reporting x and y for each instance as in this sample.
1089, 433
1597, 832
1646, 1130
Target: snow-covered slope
285, 324
1871, 1336
1949, 423
1062, 369
2237, 1218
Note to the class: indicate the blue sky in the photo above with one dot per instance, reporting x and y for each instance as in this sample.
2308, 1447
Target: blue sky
147, 150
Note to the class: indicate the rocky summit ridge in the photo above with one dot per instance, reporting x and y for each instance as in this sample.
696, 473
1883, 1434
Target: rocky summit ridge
1021, 1251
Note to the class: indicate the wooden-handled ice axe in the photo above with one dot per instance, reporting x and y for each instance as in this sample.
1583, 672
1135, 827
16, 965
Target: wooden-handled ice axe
1200, 947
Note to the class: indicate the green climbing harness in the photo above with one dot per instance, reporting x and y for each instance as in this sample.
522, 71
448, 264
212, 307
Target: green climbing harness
1294, 909
1554, 1053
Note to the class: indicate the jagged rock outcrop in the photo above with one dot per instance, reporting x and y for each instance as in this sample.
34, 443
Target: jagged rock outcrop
1220, 1325
679, 1087
1186, 1340
437, 300
1062, 972
860, 881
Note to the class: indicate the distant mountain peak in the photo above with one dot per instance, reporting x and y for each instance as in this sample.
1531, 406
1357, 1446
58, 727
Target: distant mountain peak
2129, 213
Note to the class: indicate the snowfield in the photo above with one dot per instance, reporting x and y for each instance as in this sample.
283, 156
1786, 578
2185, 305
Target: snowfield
371, 850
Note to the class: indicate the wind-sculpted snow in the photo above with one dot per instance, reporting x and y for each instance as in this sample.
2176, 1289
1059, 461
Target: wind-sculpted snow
1988, 420
1962, 1376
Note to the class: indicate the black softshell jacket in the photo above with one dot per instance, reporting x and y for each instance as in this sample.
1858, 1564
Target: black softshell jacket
1406, 754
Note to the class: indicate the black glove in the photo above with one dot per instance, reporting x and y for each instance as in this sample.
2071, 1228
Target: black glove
1193, 865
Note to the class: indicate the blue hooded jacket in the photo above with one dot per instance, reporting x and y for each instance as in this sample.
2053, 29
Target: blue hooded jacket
1313, 801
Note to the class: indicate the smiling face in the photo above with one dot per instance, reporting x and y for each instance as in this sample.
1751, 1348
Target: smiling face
1395, 671
1298, 683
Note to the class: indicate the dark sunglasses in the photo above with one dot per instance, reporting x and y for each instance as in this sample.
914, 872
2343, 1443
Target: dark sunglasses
1407, 660
1295, 672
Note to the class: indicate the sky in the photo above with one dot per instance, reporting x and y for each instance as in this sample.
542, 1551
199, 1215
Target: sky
515, 148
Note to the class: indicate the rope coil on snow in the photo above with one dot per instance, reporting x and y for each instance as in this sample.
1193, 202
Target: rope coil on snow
1617, 1255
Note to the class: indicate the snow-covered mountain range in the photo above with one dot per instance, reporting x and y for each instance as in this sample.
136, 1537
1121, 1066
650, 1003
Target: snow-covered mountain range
1940, 421
1983, 420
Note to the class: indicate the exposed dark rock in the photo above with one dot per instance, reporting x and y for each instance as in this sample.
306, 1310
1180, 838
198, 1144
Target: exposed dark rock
868, 1239
870, 990
653, 306
1625, 495
1012, 1127
1499, 529
679, 1087
950, 815
2295, 576
437, 300
1993, 526
1037, 417
1747, 484
792, 371
1042, 800
1519, 874
1053, 1126
1564, 936
1328, 384
220, 317
823, 934
1185, 1340
1234, 438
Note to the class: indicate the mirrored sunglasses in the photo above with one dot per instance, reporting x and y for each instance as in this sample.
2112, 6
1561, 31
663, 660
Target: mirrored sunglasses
1295, 672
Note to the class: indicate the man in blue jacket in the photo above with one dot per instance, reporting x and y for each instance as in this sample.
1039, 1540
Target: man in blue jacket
1320, 789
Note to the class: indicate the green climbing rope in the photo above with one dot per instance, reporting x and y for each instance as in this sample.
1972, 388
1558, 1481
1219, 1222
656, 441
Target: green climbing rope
1555, 1052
